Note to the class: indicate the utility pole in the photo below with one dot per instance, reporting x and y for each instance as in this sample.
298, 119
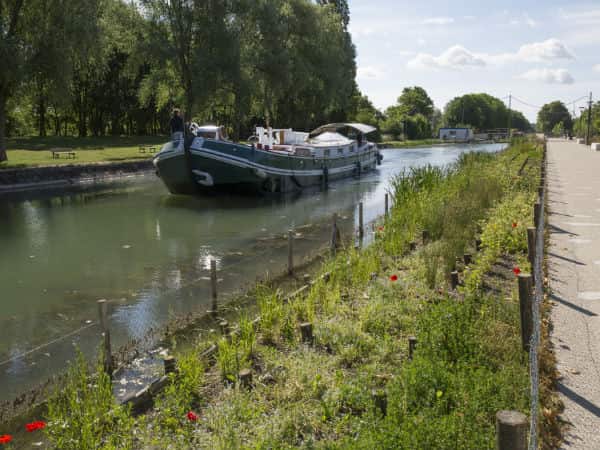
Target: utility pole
509, 116
589, 124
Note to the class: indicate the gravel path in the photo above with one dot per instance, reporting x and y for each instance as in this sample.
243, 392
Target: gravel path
574, 271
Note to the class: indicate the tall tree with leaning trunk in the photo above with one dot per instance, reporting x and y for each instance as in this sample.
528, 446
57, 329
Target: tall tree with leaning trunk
11, 47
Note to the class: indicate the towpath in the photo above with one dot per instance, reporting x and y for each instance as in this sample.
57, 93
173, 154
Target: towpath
574, 271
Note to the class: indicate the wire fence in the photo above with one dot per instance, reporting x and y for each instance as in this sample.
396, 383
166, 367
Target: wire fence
538, 296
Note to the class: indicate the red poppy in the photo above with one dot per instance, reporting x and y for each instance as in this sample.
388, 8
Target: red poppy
394, 278
5, 438
192, 417
516, 271
33, 426
514, 224
379, 228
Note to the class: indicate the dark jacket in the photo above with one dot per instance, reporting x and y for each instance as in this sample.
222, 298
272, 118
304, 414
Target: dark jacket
176, 124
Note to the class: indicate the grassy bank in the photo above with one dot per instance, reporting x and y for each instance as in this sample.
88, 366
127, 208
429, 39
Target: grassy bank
36, 152
355, 386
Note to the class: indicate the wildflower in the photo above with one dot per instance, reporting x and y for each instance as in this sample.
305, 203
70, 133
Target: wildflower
380, 229
516, 271
5, 438
192, 417
394, 278
514, 224
33, 426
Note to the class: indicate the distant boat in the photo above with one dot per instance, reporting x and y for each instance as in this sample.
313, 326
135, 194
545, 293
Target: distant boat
275, 160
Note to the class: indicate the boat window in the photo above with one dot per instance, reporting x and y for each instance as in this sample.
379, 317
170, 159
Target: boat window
326, 152
206, 134
340, 150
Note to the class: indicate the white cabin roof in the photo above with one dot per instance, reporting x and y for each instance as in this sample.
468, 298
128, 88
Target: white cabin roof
360, 127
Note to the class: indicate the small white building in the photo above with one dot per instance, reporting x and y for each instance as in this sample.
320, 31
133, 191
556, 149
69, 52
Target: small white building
456, 134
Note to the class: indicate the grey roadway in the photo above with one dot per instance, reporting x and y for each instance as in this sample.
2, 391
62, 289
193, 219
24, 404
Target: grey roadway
574, 271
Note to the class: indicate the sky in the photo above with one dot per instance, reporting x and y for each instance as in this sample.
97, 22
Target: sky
538, 51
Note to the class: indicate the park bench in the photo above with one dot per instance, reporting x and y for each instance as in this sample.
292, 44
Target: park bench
58, 152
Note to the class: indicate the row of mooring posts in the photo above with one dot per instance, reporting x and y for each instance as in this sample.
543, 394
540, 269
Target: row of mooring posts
512, 427
334, 244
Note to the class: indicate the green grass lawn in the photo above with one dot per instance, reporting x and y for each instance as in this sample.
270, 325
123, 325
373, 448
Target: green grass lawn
36, 152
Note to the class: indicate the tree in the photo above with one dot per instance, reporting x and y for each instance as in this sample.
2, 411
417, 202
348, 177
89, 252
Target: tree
552, 114
415, 100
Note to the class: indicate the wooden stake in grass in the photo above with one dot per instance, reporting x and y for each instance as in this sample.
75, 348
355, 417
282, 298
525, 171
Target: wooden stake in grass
335, 234
380, 399
425, 236
245, 378
290, 252
361, 225
537, 212
454, 279
531, 245
103, 314
225, 329
170, 365
213, 285
387, 204
412, 345
525, 303
511, 430
306, 330
467, 258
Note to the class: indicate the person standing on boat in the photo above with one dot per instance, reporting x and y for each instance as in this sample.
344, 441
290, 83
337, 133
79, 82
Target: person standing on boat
177, 125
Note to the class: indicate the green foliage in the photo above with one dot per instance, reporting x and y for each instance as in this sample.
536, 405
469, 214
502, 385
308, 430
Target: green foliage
83, 415
482, 112
551, 115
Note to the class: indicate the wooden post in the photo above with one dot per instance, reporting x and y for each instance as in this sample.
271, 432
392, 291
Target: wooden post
290, 252
102, 312
531, 245
537, 212
525, 302
412, 345
213, 285
225, 328
306, 329
511, 430
478, 244
245, 378
454, 279
335, 234
170, 364
380, 400
361, 227
467, 258
425, 236
386, 204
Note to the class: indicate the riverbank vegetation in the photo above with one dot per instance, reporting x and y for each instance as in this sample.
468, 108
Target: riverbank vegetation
355, 383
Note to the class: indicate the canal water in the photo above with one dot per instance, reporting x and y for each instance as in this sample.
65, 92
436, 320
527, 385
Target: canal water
148, 253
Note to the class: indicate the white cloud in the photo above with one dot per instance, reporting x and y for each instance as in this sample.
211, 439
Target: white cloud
455, 57
596, 68
549, 76
458, 56
370, 73
548, 50
438, 21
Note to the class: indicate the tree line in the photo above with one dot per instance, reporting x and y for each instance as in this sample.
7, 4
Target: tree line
112, 67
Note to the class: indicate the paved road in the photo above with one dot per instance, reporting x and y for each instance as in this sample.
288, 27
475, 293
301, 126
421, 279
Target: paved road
574, 265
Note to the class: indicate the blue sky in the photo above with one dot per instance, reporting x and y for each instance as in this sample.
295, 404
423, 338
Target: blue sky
538, 51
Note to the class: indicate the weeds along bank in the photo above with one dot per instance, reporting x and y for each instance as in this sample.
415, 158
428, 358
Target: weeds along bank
353, 384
